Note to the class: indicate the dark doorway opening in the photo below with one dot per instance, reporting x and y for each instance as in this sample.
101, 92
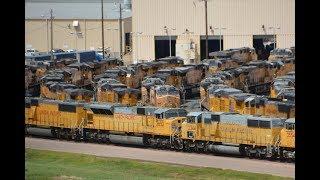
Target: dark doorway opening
127, 39
263, 44
162, 46
213, 45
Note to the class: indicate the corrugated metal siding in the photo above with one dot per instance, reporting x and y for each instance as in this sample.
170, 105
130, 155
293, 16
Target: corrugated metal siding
242, 18
36, 34
284, 41
143, 47
73, 10
237, 41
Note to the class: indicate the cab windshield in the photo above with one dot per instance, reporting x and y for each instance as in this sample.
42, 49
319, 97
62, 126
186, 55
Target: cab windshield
191, 119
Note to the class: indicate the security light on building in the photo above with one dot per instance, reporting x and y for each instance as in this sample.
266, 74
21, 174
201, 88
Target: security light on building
75, 23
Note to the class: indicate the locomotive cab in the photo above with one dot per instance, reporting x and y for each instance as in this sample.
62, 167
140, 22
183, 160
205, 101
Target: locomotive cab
287, 142
168, 121
200, 125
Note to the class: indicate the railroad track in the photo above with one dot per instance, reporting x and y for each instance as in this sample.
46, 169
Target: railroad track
91, 141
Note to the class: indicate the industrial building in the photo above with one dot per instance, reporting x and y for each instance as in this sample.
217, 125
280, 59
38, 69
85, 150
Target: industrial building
239, 22
150, 24
76, 25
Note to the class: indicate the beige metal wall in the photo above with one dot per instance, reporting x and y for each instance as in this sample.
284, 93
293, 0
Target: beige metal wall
36, 34
242, 18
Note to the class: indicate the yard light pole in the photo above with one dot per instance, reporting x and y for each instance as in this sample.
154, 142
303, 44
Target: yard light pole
274, 35
47, 32
206, 22
220, 35
51, 27
168, 33
121, 10
102, 29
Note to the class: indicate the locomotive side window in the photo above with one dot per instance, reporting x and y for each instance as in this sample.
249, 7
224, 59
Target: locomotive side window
67, 108
101, 111
27, 105
34, 102
90, 118
199, 120
215, 118
207, 120
290, 126
277, 123
190, 134
159, 116
265, 124
253, 123
190, 119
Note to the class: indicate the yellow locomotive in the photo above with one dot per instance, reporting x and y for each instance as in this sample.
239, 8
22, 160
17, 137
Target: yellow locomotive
126, 75
98, 67
165, 96
157, 127
278, 53
146, 86
216, 65
283, 87
63, 118
220, 97
138, 125
254, 136
84, 74
182, 76
287, 142
244, 54
117, 93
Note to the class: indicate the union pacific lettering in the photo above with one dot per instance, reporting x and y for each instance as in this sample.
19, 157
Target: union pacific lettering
237, 130
191, 128
125, 116
49, 113
291, 134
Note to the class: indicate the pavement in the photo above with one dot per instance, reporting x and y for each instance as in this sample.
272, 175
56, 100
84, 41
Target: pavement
183, 158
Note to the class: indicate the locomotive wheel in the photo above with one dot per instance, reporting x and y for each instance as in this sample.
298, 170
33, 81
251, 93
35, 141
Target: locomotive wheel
26, 131
53, 132
58, 133
77, 136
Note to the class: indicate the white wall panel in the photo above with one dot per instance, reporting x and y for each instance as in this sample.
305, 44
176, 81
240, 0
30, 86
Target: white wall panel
242, 18
236, 41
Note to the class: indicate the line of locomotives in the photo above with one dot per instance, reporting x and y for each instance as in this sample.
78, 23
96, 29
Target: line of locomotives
167, 82
165, 128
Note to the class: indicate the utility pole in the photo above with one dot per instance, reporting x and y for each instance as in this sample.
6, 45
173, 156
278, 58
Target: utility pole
274, 36
85, 34
102, 29
167, 29
206, 22
47, 35
120, 29
206, 19
220, 36
51, 19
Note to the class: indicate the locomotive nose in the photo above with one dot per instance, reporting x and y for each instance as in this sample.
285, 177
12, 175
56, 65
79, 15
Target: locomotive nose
172, 101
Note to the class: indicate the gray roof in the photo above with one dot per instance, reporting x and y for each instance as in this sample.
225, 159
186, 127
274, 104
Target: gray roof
126, 110
161, 110
291, 120
100, 106
264, 118
73, 9
194, 113
240, 119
